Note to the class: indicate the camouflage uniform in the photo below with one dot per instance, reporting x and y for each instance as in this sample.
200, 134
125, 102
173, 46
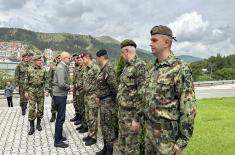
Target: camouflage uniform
171, 107
130, 97
51, 73
91, 107
20, 73
35, 83
75, 95
80, 94
106, 92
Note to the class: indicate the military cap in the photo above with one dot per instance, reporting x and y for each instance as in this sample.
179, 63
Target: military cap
80, 55
24, 54
101, 53
36, 57
30, 54
128, 42
74, 55
163, 30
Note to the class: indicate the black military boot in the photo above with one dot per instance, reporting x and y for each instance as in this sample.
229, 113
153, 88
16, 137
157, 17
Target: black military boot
109, 150
77, 122
75, 118
83, 130
79, 128
103, 151
90, 141
39, 127
31, 130
86, 138
53, 117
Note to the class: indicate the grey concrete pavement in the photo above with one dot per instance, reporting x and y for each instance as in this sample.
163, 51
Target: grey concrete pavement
15, 140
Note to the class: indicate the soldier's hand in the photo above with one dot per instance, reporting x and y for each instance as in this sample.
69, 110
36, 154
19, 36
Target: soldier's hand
46, 94
26, 95
135, 125
177, 150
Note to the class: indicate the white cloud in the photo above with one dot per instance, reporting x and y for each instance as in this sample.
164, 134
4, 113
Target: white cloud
189, 26
198, 26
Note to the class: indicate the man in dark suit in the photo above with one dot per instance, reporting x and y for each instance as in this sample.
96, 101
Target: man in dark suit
61, 86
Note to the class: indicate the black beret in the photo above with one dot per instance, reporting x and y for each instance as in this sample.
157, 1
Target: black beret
101, 53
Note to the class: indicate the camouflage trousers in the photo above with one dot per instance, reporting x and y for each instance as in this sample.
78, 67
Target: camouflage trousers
128, 139
53, 105
75, 102
108, 118
159, 138
80, 104
36, 104
23, 99
91, 115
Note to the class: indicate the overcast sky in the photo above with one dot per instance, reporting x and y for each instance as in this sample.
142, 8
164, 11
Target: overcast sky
202, 27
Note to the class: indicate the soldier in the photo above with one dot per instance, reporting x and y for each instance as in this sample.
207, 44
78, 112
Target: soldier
51, 73
80, 94
106, 96
77, 117
91, 107
171, 105
30, 55
36, 88
131, 99
20, 72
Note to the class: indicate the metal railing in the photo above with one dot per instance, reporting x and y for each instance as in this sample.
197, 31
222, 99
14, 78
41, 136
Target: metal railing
196, 84
213, 83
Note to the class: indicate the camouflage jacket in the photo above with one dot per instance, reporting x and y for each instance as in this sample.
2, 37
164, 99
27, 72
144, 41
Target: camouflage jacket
89, 78
50, 75
79, 79
36, 77
132, 86
171, 96
75, 73
20, 73
106, 82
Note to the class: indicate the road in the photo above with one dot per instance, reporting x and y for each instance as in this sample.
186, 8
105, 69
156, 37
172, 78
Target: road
218, 91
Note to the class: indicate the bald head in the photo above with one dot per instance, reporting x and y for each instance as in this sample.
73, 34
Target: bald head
65, 57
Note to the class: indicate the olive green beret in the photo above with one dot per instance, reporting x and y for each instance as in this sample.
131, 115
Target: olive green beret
30, 54
163, 30
24, 54
36, 57
128, 42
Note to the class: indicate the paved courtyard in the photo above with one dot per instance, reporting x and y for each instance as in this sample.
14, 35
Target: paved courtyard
15, 140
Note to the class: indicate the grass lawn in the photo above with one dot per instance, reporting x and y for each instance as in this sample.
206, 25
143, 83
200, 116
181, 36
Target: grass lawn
214, 132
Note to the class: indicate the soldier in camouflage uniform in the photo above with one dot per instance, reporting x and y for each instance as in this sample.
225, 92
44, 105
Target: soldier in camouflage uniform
51, 73
171, 105
20, 72
80, 94
91, 107
131, 99
106, 96
77, 117
35, 88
